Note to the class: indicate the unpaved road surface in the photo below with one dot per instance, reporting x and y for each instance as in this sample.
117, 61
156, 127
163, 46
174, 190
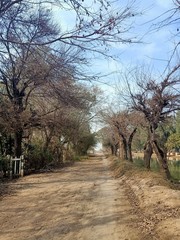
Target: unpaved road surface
81, 202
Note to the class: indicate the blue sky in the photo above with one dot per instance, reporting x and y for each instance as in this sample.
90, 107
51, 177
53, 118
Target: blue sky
157, 45
154, 52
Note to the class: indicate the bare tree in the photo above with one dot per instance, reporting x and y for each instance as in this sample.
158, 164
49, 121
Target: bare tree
62, 127
26, 63
157, 100
170, 19
109, 139
97, 24
124, 124
27, 70
5, 5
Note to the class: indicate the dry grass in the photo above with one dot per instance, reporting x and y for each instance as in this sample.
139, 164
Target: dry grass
128, 169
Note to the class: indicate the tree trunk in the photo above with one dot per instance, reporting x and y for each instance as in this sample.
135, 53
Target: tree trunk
123, 150
129, 152
113, 150
162, 158
116, 148
59, 156
18, 143
123, 145
129, 145
147, 154
18, 132
160, 153
48, 136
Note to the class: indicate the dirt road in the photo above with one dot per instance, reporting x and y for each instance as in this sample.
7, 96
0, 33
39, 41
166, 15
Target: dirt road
81, 202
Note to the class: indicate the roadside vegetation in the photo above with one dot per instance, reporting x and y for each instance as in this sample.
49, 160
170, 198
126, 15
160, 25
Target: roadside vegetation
47, 99
46, 95
113, 144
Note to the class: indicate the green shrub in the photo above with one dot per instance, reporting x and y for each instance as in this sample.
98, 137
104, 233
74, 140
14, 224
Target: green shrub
4, 164
37, 158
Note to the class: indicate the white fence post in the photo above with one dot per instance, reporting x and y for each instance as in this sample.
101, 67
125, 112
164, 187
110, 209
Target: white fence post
10, 172
22, 166
18, 166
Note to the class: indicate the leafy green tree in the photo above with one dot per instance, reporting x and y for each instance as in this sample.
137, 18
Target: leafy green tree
177, 121
173, 142
139, 139
85, 142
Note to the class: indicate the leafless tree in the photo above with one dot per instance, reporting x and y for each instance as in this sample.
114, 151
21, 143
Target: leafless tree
97, 24
5, 5
30, 62
109, 139
63, 125
123, 124
157, 100
126, 124
170, 19
29, 72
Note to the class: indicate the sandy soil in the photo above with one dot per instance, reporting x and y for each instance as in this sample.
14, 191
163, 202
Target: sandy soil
84, 202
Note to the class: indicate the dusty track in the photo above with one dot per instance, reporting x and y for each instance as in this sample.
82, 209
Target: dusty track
82, 202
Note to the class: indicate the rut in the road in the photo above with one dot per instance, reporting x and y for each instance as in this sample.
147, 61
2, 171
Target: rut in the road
147, 222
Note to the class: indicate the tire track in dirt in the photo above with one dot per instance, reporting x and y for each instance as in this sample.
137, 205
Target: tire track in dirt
148, 221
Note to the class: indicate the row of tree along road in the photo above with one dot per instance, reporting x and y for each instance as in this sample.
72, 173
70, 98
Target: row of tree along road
45, 101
